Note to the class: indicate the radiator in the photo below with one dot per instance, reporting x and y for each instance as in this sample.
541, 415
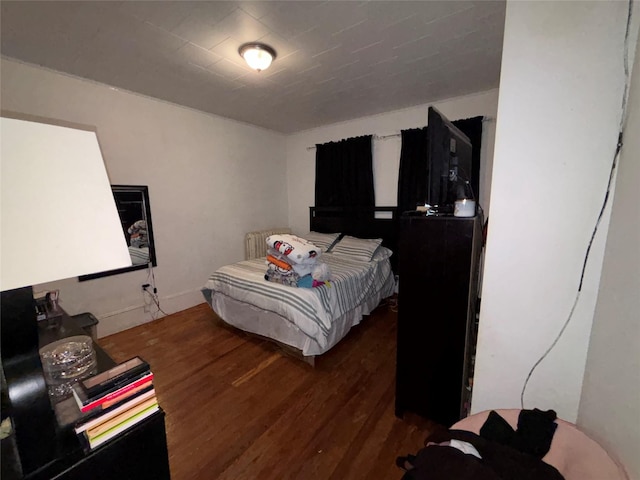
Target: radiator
255, 243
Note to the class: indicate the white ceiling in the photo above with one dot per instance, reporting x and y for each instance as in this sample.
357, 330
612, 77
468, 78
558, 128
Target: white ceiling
336, 60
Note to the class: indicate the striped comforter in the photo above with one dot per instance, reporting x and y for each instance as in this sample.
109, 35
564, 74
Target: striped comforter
312, 310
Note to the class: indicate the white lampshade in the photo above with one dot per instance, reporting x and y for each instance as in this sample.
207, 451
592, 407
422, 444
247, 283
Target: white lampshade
58, 216
257, 55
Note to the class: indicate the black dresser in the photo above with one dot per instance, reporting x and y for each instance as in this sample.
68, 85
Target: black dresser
140, 453
439, 264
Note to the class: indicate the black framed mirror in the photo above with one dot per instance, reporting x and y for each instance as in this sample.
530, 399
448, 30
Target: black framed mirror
134, 209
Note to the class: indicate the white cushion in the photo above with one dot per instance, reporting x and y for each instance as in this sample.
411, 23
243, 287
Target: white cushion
360, 248
323, 240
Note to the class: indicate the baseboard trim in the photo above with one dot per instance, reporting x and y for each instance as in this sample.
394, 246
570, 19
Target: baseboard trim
133, 316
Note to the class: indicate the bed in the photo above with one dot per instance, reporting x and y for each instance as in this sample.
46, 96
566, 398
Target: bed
310, 321
139, 255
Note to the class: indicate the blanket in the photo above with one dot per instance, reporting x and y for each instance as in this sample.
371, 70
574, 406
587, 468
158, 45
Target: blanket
280, 275
296, 249
439, 461
498, 453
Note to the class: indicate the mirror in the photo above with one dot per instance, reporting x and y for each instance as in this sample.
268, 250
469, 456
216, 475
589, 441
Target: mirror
133, 206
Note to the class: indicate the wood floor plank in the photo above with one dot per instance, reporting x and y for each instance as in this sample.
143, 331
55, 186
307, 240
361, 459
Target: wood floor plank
237, 408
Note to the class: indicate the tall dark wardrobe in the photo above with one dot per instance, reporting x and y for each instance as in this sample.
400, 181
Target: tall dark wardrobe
439, 267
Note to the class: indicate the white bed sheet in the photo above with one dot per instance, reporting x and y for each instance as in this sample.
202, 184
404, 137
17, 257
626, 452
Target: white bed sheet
311, 320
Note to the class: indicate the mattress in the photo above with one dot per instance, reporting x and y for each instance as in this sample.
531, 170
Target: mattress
310, 319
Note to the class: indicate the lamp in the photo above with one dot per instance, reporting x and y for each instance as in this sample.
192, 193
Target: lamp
257, 55
58, 220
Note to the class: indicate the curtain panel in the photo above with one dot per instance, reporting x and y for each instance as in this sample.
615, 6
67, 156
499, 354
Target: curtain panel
412, 175
472, 128
344, 173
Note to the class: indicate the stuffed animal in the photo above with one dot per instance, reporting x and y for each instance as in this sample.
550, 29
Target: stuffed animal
321, 274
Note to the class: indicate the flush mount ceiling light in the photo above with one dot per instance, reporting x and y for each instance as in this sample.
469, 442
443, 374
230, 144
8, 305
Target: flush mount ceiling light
257, 55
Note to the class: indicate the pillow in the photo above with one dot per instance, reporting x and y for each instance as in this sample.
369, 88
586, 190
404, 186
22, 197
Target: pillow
359, 248
381, 253
323, 240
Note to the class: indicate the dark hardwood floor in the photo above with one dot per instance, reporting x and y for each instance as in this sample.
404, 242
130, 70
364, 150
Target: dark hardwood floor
237, 408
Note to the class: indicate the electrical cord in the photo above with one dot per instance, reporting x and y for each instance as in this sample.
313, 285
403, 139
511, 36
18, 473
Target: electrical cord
151, 282
147, 297
614, 164
156, 301
155, 291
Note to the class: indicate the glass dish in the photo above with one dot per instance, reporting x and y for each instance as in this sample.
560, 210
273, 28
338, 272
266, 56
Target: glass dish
67, 361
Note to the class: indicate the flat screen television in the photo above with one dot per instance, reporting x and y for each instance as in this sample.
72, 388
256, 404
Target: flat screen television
448, 163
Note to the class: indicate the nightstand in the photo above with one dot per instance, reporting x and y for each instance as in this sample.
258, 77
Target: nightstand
139, 453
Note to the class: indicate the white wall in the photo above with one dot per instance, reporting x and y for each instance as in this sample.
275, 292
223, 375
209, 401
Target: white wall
386, 152
610, 402
558, 116
208, 180
196, 165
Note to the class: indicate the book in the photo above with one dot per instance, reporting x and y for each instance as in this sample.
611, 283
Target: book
104, 427
130, 422
107, 407
86, 404
86, 397
115, 377
110, 413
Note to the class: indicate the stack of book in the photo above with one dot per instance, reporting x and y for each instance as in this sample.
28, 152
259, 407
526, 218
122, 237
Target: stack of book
115, 400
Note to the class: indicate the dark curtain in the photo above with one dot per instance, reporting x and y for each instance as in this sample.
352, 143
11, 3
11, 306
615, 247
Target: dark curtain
412, 177
472, 128
344, 173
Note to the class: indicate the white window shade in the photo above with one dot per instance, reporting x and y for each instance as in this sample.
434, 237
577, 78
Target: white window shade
58, 217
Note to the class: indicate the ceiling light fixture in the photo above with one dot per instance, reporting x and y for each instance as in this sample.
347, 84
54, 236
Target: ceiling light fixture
257, 55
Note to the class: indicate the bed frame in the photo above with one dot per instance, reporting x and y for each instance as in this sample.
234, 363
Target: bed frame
372, 222
283, 348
